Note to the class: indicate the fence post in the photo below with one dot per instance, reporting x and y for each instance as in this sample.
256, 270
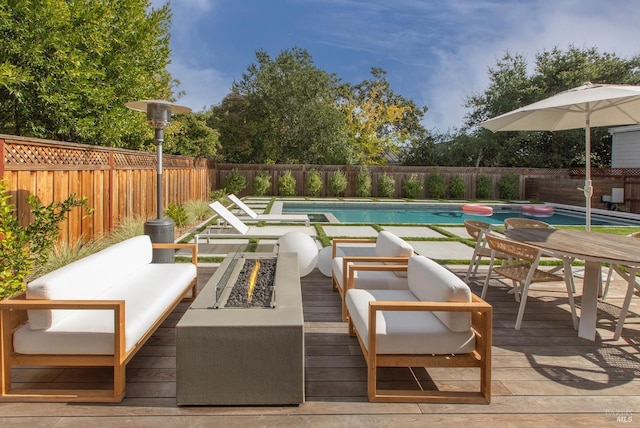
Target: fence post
1, 157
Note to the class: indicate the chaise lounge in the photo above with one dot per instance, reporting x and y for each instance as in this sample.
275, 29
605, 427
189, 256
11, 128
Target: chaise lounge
254, 216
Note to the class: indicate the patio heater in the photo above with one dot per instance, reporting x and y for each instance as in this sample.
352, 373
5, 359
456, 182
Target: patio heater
161, 230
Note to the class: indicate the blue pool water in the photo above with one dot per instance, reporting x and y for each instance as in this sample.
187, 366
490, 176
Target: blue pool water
398, 213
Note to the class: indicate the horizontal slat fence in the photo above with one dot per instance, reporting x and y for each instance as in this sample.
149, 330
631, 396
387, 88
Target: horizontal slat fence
118, 183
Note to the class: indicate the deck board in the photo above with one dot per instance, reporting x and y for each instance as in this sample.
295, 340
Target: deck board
542, 375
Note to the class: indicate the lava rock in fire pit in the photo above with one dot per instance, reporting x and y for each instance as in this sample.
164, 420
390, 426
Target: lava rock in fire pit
240, 296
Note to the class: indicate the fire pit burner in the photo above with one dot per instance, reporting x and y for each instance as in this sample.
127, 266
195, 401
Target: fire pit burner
254, 285
248, 282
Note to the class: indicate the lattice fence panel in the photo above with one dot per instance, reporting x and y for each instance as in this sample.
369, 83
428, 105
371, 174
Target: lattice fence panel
51, 156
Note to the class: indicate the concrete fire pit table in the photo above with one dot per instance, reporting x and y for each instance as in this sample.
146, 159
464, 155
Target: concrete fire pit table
243, 356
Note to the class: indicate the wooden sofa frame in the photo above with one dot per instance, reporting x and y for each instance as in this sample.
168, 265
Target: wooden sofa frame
481, 321
13, 313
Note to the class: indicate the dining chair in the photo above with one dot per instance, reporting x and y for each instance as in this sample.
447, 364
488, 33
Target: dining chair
525, 223
529, 223
523, 271
629, 274
611, 269
477, 230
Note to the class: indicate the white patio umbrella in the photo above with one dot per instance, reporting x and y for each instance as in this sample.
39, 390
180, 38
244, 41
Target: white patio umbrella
587, 106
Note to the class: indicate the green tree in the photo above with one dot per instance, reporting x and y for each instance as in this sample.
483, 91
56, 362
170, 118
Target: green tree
189, 135
68, 67
379, 121
511, 87
286, 110
238, 136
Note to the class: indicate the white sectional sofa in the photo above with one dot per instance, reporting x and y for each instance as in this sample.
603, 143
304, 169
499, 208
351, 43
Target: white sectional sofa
369, 263
97, 311
437, 321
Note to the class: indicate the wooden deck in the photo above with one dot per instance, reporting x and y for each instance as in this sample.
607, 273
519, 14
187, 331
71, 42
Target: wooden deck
543, 375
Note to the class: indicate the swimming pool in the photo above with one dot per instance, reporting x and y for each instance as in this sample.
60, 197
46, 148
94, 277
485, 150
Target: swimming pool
398, 213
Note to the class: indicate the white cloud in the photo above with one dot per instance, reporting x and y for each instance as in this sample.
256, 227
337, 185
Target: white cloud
436, 53
203, 86
525, 28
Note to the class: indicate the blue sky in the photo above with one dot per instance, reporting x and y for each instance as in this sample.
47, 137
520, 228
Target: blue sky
435, 52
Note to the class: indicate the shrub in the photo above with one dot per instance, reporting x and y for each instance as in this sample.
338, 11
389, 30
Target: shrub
235, 182
178, 214
338, 183
363, 183
436, 185
287, 184
412, 186
314, 183
22, 248
197, 210
483, 187
456, 187
216, 195
261, 183
509, 186
386, 186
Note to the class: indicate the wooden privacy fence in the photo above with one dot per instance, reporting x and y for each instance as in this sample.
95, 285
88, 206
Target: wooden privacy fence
122, 183
556, 185
118, 183
398, 173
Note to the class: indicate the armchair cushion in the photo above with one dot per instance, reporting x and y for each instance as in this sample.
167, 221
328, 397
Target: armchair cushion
431, 282
390, 245
410, 332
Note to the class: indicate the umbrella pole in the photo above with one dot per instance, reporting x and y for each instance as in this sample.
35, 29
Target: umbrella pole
588, 190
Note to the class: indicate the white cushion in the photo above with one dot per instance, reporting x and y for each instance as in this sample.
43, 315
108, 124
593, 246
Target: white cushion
87, 278
407, 332
368, 279
147, 294
390, 245
430, 282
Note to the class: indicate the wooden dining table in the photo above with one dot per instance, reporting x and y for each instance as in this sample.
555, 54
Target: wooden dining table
594, 248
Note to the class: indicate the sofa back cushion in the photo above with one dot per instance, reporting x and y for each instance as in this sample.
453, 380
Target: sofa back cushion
390, 245
87, 278
430, 282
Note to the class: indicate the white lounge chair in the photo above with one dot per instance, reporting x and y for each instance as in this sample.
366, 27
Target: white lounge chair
294, 218
242, 230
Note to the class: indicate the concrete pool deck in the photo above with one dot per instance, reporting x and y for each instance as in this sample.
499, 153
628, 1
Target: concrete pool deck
441, 243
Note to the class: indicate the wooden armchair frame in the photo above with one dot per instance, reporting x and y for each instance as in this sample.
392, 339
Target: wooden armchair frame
481, 319
364, 263
13, 314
